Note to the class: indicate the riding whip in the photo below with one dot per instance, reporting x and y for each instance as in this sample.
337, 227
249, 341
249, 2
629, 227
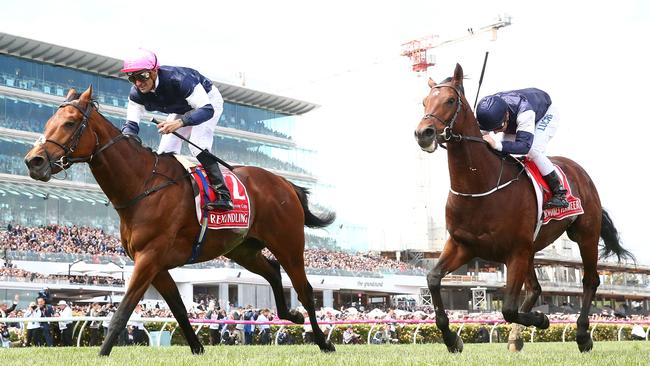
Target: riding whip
206, 151
480, 81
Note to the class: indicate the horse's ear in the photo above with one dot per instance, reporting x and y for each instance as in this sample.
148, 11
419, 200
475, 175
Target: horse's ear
86, 96
71, 93
458, 76
431, 83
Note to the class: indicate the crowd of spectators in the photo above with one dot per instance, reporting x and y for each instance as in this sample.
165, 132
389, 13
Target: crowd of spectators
17, 274
207, 307
85, 240
60, 239
325, 258
251, 126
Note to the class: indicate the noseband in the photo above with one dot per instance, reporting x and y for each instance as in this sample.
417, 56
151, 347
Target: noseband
69, 147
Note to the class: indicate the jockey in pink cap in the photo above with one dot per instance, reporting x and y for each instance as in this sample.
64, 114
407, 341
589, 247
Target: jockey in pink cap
193, 105
141, 60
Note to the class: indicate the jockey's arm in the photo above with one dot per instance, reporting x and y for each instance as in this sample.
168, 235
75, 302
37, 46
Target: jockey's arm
134, 113
524, 136
202, 109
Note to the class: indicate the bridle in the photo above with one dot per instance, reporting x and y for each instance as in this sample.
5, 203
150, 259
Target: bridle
448, 134
69, 147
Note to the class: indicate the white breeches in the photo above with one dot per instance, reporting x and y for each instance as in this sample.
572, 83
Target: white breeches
544, 132
202, 134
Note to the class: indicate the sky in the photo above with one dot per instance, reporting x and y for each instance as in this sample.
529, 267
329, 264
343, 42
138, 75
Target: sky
345, 56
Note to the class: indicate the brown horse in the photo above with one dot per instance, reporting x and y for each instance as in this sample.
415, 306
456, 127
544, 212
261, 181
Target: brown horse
154, 199
500, 226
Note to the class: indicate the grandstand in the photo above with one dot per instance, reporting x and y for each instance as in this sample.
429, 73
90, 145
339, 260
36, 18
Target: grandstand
61, 234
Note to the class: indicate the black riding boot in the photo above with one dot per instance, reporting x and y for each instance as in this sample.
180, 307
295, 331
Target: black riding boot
559, 193
211, 166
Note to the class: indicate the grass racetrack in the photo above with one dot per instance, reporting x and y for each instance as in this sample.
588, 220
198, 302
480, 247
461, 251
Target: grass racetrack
547, 354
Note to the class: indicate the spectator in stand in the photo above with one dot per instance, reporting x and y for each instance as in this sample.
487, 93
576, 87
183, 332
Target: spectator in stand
5, 340
6, 310
239, 328
95, 311
65, 326
34, 335
638, 334
284, 337
214, 328
265, 329
46, 312
350, 337
249, 315
380, 336
137, 327
308, 332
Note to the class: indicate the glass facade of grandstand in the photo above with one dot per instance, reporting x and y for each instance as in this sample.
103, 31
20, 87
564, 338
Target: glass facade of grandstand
30, 92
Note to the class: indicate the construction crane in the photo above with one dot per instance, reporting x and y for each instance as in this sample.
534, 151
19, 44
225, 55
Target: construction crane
421, 59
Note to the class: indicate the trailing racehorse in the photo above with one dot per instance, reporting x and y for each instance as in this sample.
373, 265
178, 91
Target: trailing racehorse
497, 222
158, 223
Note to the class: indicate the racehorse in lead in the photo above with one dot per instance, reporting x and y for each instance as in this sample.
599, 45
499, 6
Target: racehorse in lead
500, 226
159, 228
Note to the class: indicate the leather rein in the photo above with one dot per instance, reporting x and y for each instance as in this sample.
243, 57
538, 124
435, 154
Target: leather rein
69, 147
448, 135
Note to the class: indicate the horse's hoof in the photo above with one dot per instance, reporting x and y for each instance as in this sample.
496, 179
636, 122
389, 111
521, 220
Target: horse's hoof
328, 347
515, 345
457, 347
545, 322
586, 346
198, 350
296, 317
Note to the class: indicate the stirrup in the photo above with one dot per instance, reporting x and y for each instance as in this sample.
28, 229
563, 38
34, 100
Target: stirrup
563, 203
219, 205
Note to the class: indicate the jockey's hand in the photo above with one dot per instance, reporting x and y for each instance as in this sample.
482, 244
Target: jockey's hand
169, 126
490, 140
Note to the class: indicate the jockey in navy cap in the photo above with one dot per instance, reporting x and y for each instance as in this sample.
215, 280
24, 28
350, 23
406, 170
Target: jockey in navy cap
193, 106
523, 122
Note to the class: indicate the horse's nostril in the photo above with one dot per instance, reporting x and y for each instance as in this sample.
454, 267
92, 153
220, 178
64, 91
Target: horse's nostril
429, 132
35, 162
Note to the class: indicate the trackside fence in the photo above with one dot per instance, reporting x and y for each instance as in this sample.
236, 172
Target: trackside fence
396, 331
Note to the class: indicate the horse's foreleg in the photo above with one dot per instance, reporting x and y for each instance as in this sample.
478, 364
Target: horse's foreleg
146, 268
533, 290
166, 286
452, 257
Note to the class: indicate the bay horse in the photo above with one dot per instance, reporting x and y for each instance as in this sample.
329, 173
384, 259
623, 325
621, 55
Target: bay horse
497, 223
155, 202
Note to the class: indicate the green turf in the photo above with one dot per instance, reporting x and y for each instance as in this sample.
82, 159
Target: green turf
547, 354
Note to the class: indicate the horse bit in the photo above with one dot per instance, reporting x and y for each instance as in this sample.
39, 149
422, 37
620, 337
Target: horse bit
449, 136
69, 147
447, 133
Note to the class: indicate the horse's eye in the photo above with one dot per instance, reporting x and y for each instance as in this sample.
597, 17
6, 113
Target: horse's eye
451, 101
69, 124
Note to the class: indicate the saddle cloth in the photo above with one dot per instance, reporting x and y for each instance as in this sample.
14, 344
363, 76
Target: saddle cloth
238, 218
543, 193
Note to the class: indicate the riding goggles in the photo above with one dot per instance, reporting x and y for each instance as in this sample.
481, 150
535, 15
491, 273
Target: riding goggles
139, 76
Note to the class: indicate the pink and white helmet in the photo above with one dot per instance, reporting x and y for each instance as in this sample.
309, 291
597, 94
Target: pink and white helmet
141, 59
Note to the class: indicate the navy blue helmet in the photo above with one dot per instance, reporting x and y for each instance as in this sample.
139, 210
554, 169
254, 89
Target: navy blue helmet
490, 112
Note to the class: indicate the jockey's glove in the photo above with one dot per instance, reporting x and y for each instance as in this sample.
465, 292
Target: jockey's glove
131, 129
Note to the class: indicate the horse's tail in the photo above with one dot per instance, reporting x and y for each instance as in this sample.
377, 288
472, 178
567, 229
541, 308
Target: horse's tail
612, 241
312, 220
